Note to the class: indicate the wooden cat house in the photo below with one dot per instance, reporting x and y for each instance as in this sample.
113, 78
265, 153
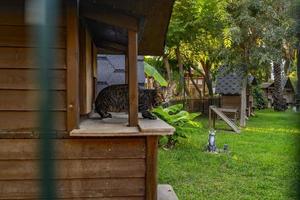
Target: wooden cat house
288, 91
234, 88
94, 159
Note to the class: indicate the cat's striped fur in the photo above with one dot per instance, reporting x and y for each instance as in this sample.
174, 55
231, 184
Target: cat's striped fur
114, 98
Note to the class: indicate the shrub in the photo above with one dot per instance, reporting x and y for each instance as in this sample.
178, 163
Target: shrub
179, 119
260, 102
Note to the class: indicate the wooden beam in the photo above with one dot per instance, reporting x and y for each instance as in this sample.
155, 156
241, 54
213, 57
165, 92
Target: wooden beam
132, 78
243, 104
114, 46
85, 71
109, 16
126, 68
151, 167
95, 71
72, 65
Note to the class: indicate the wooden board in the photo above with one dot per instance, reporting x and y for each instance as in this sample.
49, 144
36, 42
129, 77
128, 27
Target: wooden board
78, 188
158, 125
20, 36
151, 172
86, 71
24, 58
12, 12
28, 100
117, 126
72, 64
71, 169
231, 101
27, 149
132, 78
27, 79
23, 120
224, 118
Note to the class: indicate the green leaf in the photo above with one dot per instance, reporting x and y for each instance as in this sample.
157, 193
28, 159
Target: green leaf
151, 71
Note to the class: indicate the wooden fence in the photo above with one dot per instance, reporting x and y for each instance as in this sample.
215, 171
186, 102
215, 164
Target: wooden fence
198, 105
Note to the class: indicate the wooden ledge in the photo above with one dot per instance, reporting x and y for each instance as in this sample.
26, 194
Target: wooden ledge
117, 127
158, 125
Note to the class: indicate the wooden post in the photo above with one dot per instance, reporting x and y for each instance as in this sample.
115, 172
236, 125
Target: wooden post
132, 78
95, 71
209, 115
214, 120
243, 104
151, 171
72, 65
126, 68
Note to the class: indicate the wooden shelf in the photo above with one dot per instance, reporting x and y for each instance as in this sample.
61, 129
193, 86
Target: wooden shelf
117, 126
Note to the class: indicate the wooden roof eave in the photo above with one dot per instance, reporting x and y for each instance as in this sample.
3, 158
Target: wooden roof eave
150, 18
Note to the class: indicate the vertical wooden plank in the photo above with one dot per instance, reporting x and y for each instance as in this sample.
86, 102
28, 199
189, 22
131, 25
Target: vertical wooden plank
214, 120
126, 68
151, 164
82, 68
85, 71
72, 65
243, 104
95, 71
209, 117
132, 78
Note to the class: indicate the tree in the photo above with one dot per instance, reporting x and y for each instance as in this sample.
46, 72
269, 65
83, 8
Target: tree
261, 33
296, 15
280, 40
181, 28
196, 34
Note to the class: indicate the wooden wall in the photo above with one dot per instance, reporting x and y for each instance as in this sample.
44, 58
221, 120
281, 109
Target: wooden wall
19, 90
87, 71
111, 168
228, 101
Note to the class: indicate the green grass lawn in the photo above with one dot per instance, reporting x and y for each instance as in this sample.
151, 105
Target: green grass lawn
262, 162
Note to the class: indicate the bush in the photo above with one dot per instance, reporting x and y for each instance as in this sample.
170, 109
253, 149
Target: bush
179, 119
260, 102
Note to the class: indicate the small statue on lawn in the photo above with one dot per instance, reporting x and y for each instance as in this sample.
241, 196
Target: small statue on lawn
211, 147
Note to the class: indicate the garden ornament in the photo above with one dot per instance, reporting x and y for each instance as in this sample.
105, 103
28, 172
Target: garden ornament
211, 141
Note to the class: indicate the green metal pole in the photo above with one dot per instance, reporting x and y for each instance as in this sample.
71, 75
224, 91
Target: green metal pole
45, 32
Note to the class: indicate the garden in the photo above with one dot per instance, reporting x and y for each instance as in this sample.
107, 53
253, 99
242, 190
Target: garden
230, 58
261, 162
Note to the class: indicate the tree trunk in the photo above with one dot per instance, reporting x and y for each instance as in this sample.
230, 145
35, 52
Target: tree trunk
279, 103
208, 81
207, 77
194, 83
167, 66
186, 90
298, 80
287, 66
181, 73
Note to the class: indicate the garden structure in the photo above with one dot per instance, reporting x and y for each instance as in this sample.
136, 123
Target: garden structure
199, 81
95, 159
234, 88
288, 91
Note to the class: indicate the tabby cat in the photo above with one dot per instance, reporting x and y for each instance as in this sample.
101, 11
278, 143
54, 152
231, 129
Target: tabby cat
114, 98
